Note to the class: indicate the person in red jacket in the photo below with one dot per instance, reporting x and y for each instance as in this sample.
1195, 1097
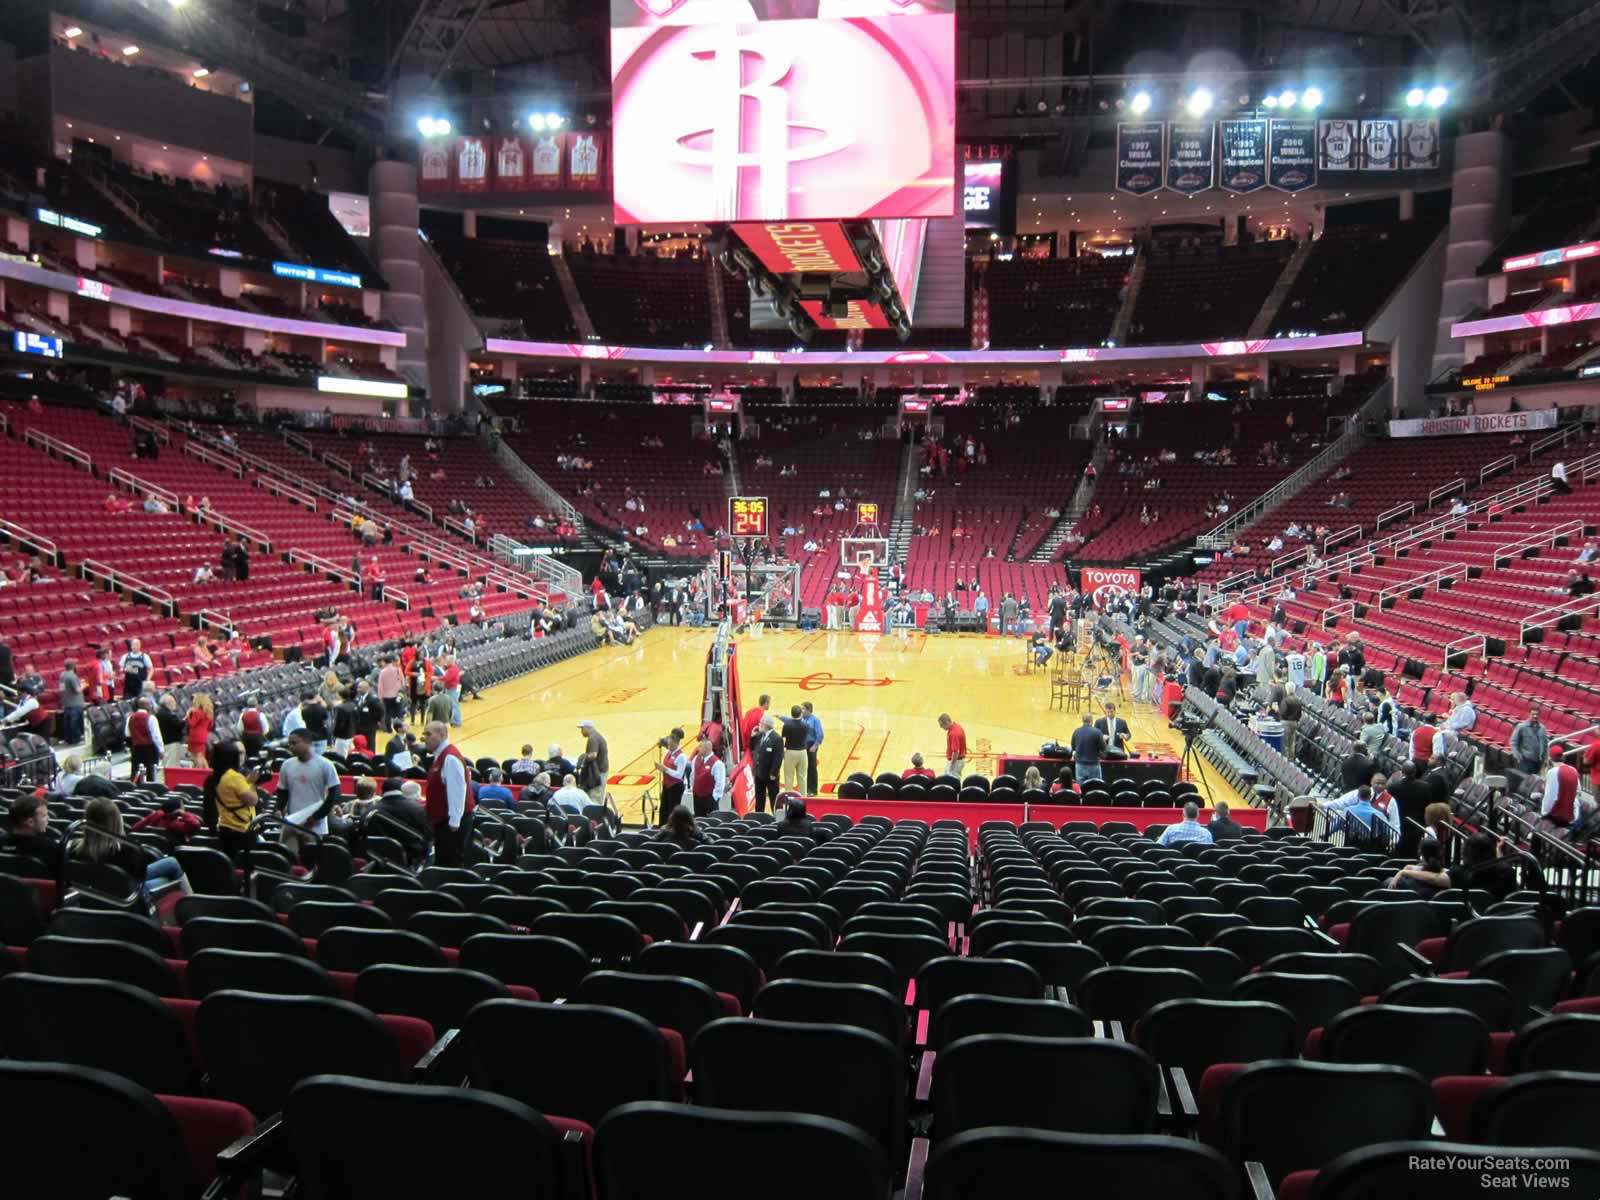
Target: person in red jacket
752, 718
1422, 736
916, 770
197, 727
1561, 805
170, 819
955, 746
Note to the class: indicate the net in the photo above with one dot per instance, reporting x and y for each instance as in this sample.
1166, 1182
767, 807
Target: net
864, 553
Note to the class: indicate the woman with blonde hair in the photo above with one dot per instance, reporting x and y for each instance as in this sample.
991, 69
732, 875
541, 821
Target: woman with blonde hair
100, 841
1031, 778
331, 689
197, 722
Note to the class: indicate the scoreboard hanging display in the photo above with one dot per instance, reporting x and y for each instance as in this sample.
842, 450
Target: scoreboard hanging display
747, 516
1286, 154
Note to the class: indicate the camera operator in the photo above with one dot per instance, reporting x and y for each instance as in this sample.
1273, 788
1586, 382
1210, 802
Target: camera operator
674, 766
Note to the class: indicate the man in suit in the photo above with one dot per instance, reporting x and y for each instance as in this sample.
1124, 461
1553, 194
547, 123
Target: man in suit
1116, 732
1223, 827
766, 758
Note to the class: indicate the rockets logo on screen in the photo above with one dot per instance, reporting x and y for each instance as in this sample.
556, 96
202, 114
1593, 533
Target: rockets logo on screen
746, 120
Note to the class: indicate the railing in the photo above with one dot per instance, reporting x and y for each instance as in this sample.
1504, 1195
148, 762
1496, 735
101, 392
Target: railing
330, 459
231, 465
279, 488
20, 536
1448, 489
1407, 509
5, 424
1472, 643
400, 597
213, 619
160, 432
1559, 438
94, 569
324, 565
299, 443
1435, 579
1221, 537
1331, 614
456, 526
1543, 618
535, 483
54, 445
1340, 537
140, 488
1234, 580
216, 520
1433, 529
1496, 467
1545, 537
542, 566
1284, 561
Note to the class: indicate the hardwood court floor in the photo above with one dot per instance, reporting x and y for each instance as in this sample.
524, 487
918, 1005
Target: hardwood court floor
878, 698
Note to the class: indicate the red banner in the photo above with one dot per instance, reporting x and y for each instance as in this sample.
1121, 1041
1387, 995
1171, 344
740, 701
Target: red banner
1104, 584
470, 162
433, 166
861, 314
584, 153
790, 246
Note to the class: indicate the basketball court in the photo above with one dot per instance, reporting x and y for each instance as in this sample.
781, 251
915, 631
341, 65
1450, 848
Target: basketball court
878, 697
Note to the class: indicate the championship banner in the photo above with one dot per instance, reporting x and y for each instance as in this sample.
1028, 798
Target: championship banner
859, 314
1380, 144
1244, 155
510, 164
1338, 144
544, 171
1141, 146
1506, 422
1419, 145
1104, 584
433, 165
471, 163
584, 154
1191, 155
795, 246
1291, 155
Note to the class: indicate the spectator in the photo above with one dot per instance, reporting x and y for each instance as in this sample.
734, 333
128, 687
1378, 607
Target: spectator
1187, 830
1561, 805
197, 726
916, 770
229, 800
308, 788
570, 796
1481, 867
102, 840
1088, 744
1223, 828
171, 819
594, 764
70, 689
493, 790
142, 734
796, 821
30, 832
1530, 743
680, 828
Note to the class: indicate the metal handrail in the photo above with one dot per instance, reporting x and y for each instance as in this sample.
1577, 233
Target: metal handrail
329, 459
91, 568
1448, 489
238, 528
1558, 438
41, 440
1406, 509
1473, 641
1339, 537
279, 488
142, 488
1540, 618
326, 565
1435, 579
299, 443
196, 450
214, 618
399, 596
1545, 537
1345, 608
21, 535
1498, 465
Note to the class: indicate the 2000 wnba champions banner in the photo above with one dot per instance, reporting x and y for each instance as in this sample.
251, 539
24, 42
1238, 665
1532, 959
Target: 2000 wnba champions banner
1291, 155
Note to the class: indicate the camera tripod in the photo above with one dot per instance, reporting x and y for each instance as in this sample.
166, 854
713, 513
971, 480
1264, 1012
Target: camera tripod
1191, 765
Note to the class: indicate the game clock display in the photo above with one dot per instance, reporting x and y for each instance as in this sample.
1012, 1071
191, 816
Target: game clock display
747, 516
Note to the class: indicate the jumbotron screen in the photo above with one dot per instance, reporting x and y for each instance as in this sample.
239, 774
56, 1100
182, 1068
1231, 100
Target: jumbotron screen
782, 110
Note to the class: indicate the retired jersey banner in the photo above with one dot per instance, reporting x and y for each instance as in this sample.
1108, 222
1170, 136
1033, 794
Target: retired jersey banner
1291, 155
1419, 145
471, 164
510, 164
1244, 155
1191, 155
1105, 584
1380, 144
1141, 147
433, 166
1338, 144
585, 156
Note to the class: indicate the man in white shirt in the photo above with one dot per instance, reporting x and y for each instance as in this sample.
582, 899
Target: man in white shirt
570, 796
1558, 478
446, 798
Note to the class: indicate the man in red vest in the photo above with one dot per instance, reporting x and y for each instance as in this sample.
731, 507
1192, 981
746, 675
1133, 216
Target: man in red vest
447, 796
1422, 736
253, 727
1560, 791
144, 740
707, 777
